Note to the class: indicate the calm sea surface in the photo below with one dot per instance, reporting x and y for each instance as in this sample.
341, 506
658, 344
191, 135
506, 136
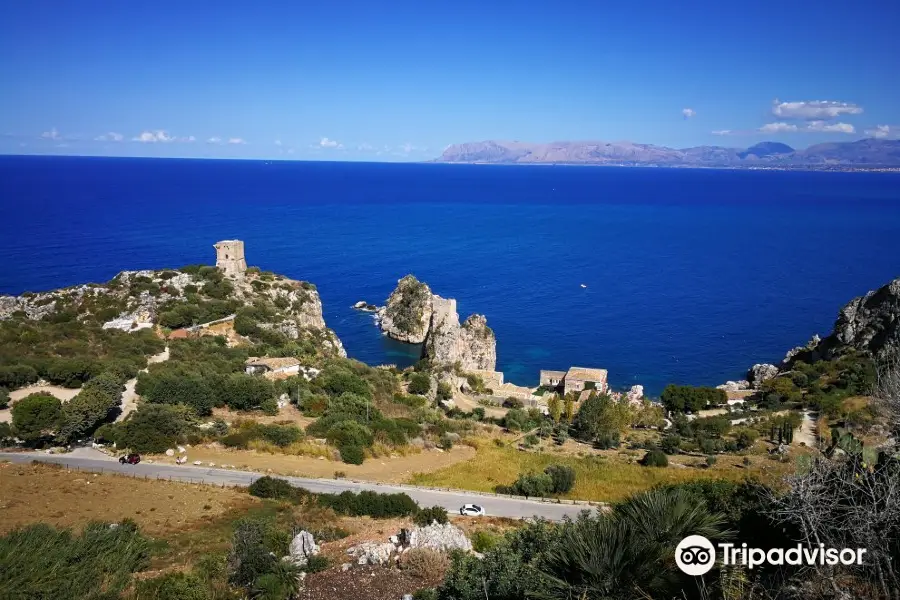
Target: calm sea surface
691, 275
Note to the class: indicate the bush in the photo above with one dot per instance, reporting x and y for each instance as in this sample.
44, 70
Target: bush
563, 478
515, 420
352, 455
425, 563
425, 594
249, 557
36, 416
513, 403
316, 564
427, 516
607, 440
281, 435
4, 398
710, 460
484, 540
273, 487
16, 376
655, 458
40, 561
379, 506
446, 442
419, 383
172, 586
681, 398
670, 443
6, 434
154, 428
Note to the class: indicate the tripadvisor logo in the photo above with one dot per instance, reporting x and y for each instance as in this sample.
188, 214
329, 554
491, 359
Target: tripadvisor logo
696, 555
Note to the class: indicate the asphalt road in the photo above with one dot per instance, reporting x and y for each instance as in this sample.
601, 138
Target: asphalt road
497, 506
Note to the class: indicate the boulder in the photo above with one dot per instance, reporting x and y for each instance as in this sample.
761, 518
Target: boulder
636, 394
301, 548
760, 373
170, 452
442, 538
734, 386
372, 553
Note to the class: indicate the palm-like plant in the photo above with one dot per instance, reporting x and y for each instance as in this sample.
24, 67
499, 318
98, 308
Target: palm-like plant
628, 553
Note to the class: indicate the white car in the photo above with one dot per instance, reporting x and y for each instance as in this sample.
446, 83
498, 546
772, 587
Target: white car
471, 510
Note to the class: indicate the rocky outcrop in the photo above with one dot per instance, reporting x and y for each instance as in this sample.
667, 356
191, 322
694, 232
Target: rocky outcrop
302, 547
442, 538
734, 386
472, 345
407, 313
760, 373
372, 553
870, 323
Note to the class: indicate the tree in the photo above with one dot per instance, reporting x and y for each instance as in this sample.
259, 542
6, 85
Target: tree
655, 458
240, 391
601, 416
419, 383
515, 420
569, 411
154, 428
36, 416
563, 478
682, 398
780, 390
555, 407
4, 397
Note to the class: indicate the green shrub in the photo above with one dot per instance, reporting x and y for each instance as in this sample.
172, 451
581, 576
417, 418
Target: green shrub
4, 398
16, 376
670, 443
446, 442
655, 458
427, 516
349, 433
563, 478
273, 487
6, 434
425, 594
281, 435
419, 383
172, 586
36, 416
379, 506
249, 558
317, 563
412, 401
42, 562
351, 454
154, 428
710, 460
484, 540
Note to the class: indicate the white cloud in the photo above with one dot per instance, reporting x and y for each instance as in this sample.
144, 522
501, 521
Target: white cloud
188, 139
277, 142
688, 112
112, 136
53, 134
327, 143
777, 128
716, 132
883, 132
214, 140
364, 147
236, 141
823, 127
814, 109
154, 136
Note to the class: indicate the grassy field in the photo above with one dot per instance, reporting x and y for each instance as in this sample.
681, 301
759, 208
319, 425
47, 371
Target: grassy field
606, 477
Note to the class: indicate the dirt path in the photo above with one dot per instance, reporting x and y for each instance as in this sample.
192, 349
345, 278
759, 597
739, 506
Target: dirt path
467, 404
129, 397
806, 433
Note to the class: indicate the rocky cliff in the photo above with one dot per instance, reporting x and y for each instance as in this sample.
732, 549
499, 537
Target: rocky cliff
870, 323
139, 299
472, 345
414, 315
406, 316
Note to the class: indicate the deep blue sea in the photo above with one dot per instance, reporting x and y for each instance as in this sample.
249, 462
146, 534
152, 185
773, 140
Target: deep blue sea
691, 275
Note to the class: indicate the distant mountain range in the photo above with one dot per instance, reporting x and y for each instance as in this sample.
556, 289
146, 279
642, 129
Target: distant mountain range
862, 154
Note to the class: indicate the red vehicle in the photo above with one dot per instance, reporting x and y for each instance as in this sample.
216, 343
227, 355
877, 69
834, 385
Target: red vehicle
131, 459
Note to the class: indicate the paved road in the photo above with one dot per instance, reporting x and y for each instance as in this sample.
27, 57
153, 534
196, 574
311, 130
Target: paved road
451, 500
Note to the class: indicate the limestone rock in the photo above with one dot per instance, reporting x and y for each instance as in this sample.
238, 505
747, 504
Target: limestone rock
407, 314
372, 553
442, 538
471, 344
636, 394
760, 373
734, 386
302, 547
170, 452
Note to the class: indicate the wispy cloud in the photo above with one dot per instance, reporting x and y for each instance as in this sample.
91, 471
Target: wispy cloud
688, 112
278, 142
53, 134
112, 136
214, 140
327, 143
365, 147
884, 132
153, 137
778, 128
814, 110
716, 132
236, 141
823, 127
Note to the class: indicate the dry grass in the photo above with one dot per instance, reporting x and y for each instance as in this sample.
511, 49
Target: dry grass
601, 477
425, 563
31, 493
387, 468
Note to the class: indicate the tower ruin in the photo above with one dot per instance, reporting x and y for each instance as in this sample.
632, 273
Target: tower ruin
230, 258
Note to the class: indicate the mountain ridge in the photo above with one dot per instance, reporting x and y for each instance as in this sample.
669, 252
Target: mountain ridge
861, 154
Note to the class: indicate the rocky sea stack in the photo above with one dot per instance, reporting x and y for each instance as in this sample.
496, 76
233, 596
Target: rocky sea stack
413, 314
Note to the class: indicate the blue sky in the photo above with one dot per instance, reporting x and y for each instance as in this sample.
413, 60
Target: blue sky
402, 80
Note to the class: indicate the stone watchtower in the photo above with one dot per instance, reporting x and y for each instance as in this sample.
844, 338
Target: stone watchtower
230, 257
